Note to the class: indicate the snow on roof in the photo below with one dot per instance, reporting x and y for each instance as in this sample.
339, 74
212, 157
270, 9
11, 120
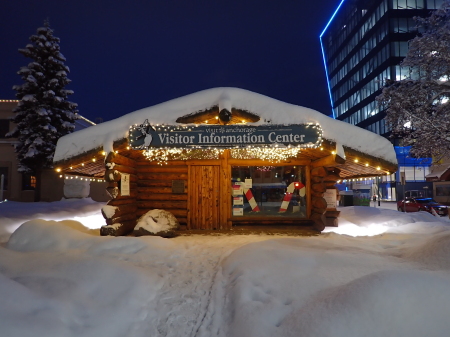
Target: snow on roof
438, 172
269, 109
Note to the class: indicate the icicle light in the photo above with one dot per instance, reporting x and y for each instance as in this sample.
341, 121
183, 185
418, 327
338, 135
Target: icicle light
266, 153
162, 155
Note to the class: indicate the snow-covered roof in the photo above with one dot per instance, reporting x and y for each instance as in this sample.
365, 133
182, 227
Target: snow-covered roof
268, 109
438, 172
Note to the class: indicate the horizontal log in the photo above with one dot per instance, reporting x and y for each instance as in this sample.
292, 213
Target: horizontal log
318, 202
319, 172
331, 178
319, 187
121, 201
158, 189
125, 169
121, 210
319, 221
122, 160
162, 169
161, 196
118, 229
330, 185
162, 176
154, 183
331, 160
113, 192
319, 210
112, 175
110, 157
144, 207
121, 219
162, 204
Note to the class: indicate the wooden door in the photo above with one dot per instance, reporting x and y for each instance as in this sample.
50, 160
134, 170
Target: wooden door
204, 192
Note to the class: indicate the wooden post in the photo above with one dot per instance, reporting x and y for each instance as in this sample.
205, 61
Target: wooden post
120, 211
225, 187
318, 203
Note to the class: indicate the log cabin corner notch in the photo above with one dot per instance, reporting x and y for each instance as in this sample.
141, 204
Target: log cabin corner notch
266, 162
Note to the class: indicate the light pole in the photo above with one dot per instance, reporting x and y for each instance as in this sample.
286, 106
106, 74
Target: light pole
378, 191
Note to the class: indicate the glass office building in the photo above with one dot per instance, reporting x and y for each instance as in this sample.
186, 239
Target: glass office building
363, 44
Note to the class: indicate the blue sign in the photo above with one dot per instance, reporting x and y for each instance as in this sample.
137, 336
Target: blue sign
145, 135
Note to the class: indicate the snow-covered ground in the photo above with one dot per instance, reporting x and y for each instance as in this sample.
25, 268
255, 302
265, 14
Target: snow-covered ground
58, 277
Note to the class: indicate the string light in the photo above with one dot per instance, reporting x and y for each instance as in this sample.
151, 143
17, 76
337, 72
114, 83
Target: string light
82, 178
162, 155
265, 153
265, 168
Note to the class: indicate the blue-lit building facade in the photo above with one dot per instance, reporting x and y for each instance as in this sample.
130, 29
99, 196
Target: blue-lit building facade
363, 44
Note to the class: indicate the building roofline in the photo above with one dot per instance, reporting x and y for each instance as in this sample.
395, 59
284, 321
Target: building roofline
331, 19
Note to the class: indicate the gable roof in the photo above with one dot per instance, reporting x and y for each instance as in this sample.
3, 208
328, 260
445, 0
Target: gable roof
258, 108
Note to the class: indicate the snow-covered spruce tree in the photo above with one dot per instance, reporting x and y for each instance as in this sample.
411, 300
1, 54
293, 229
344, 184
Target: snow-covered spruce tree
43, 113
418, 107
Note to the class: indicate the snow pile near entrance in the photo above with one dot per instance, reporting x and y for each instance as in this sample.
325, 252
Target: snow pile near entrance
58, 278
157, 222
270, 110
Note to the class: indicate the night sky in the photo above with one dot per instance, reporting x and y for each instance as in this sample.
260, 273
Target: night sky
128, 55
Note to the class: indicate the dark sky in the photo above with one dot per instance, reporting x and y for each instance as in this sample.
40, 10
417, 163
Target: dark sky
128, 55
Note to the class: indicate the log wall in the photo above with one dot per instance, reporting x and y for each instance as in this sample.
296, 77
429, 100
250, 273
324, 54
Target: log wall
322, 178
154, 188
120, 213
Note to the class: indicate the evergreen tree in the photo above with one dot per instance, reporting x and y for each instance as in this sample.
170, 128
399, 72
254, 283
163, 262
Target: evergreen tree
43, 113
418, 107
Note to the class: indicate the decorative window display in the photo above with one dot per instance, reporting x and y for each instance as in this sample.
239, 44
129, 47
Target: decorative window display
268, 191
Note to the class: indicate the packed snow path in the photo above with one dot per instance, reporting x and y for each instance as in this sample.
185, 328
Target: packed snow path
186, 292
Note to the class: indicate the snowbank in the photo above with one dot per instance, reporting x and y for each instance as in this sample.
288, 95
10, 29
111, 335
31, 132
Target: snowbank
58, 278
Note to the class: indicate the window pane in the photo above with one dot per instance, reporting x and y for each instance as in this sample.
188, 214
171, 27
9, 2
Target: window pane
274, 191
4, 127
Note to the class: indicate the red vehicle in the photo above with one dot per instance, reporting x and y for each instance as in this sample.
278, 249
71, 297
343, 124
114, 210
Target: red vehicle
421, 204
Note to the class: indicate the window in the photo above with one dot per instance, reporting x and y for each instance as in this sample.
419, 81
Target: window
443, 190
28, 182
274, 191
4, 127
4, 172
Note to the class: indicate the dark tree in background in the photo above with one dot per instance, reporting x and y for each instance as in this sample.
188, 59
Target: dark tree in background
43, 113
418, 107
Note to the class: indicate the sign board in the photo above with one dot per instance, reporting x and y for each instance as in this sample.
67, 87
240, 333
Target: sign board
238, 210
177, 186
238, 200
146, 136
248, 184
237, 189
330, 197
124, 184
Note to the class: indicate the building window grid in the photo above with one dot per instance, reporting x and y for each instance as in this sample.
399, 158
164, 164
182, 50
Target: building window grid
357, 58
365, 28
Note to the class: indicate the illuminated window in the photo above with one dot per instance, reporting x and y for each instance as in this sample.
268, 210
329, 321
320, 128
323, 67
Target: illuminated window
28, 182
269, 194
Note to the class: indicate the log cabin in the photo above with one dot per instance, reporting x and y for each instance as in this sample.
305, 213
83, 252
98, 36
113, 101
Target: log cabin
223, 158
